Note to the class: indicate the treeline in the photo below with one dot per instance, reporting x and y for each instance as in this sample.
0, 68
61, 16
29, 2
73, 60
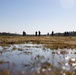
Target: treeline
73, 33
8, 34
38, 33
66, 34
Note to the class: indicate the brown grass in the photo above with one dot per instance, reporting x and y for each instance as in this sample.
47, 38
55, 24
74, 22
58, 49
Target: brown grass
53, 42
56, 72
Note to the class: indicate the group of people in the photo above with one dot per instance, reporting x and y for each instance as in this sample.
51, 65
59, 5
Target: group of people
38, 33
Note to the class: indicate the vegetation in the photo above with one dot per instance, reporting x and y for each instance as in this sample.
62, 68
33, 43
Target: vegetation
55, 72
53, 42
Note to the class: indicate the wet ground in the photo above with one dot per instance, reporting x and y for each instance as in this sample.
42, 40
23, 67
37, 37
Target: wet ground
30, 58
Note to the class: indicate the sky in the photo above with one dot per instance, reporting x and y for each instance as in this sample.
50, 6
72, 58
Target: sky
46, 16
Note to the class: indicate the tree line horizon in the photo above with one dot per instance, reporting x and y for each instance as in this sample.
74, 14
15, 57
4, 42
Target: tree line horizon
38, 33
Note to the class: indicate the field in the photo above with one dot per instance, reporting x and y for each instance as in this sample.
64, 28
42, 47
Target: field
53, 42
37, 55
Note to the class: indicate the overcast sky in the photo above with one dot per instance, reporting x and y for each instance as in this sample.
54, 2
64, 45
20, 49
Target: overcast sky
37, 15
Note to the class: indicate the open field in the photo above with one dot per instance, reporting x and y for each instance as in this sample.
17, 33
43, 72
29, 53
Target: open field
53, 42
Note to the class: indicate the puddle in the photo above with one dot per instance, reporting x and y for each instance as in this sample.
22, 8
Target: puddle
33, 57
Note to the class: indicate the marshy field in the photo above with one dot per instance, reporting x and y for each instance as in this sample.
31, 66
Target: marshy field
52, 42
37, 55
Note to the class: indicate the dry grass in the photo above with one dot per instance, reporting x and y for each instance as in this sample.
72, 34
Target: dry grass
56, 72
53, 42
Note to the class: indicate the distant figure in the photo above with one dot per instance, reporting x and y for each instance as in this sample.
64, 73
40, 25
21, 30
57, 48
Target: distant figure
64, 33
52, 33
24, 33
67, 33
36, 33
47, 34
39, 33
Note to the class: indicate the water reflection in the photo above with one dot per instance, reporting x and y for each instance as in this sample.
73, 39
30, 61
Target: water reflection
33, 57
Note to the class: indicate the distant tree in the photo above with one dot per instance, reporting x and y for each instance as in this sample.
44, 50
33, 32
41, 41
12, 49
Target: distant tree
36, 33
52, 33
39, 33
24, 33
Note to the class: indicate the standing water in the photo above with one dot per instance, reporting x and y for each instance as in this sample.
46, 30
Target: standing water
30, 58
